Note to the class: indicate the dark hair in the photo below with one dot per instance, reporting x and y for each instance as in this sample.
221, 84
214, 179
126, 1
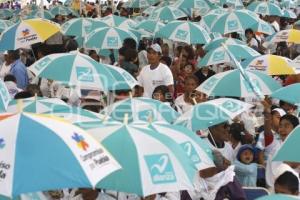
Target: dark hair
129, 43
122, 51
14, 54
142, 45
289, 181
249, 30
10, 77
190, 51
23, 95
167, 60
165, 92
235, 130
291, 118
130, 55
34, 89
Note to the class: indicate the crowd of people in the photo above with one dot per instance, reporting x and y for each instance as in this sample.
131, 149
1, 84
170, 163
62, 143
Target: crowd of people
242, 148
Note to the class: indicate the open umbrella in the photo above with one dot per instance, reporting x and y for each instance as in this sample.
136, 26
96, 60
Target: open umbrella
208, 19
263, 27
120, 22
141, 3
207, 114
197, 4
289, 147
165, 168
289, 14
4, 24
41, 13
291, 35
26, 33
79, 70
217, 42
6, 13
270, 64
39, 153
108, 38
62, 10
220, 55
217, 85
265, 8
288, 94
4, 96
141, 109
167, 14
151, 26
234, 21
183, 31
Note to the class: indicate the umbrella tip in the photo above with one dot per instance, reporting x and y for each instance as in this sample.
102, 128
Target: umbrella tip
125, 120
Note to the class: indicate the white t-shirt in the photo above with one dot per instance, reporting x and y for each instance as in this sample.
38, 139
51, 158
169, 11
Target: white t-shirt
149, 79
181, 105
227, 151
253, 43
4, 70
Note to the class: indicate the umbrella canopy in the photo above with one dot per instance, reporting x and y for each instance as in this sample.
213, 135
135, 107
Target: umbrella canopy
234, 21
217, 85
61, 10
37, 105
208, 19
207, 114
289, 14
165, 168
26, 33
220, 54
24, 153
270, 64
4, 96
277, 197
167, 14
263, 27
288, 94
4, 24
184, 31
289, 147
81, 27
41, 13
141, 108
79, 70
141, 3
120, 22
197, 149
151, 26
149, 10
6, 13
291, 35
265, 8
217, 42
233, 3
198, 4
108, 38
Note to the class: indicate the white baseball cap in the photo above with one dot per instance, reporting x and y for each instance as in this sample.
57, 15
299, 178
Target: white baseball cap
155, 47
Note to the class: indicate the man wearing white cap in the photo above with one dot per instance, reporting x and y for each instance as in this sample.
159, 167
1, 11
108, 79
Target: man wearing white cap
154, 74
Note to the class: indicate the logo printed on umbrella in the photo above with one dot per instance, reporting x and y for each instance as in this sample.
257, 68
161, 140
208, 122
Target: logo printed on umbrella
231, 106
199, 3
112, 41
25, 32
42, 64
262, 10
84, 74
210, 83
2, 143
160, 168
232, 24
81, 143
218, 56
181, 34
191, 152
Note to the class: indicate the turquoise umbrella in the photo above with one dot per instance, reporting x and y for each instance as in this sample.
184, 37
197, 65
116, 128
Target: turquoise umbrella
217, 42
45, 14
108, 38
217, 85
198, 4
167, 14
149, 10
263, 27
278, 197
265, 8
233, 3
207, 114
184, 31
62, 10
81, 27
289, 14
141, 109
234, 21
120, 22
4, 96
151, 26
220, 54
165, 168
4, 24
79, 70
208, 19
289, 94
289, 147
141, 3
6, 13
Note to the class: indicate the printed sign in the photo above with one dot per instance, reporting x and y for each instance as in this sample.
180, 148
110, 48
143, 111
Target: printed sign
160, 168
26, 36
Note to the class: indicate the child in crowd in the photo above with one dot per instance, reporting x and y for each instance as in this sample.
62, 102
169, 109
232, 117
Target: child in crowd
287, 183
245, 167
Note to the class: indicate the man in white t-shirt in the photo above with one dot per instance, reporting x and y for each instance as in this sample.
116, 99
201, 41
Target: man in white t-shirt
154, 74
